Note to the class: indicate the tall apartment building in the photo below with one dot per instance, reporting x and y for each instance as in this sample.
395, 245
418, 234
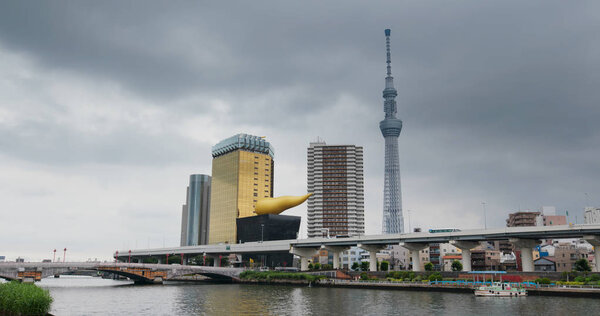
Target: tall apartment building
591, 215
547, 217
335, 177
195, 212
519, 219
242, 172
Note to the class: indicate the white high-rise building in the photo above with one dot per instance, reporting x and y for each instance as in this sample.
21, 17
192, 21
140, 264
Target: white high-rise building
335, 177
591, 215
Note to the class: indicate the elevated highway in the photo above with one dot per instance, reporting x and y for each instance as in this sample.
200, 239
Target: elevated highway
524, 238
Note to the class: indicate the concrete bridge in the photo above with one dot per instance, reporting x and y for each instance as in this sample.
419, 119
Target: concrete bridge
523, 238
138, 272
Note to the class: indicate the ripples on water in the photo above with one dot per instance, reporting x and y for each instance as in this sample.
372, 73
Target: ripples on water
78, 295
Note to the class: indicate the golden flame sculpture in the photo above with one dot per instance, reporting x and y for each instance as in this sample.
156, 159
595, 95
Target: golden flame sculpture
278, 204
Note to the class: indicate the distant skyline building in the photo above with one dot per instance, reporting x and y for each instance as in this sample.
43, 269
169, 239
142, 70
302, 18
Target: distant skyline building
242, 173
196, 211
336, 179
184, 220
393, 221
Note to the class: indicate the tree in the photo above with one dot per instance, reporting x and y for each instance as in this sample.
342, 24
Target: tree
197, 260
355, 266
224, 261
364, 265
317, 266
310, 266
456, 265
364, 276
327, 266
174, 259
150, 260
582, 265
429, 266
384, 266
436, 276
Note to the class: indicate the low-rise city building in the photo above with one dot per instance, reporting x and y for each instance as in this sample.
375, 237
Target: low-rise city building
484, 259
566, 254
545, 264
400, 257
350, 256
448, 259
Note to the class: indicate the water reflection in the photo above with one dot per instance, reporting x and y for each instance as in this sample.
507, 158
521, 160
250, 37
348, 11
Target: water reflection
94, 296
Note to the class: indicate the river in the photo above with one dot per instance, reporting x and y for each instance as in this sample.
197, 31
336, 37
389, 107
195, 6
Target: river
81, 295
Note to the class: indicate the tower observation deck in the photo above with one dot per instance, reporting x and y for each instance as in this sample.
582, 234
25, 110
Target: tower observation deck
393, 221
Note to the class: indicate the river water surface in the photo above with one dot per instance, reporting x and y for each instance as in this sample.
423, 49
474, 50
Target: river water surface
80, 295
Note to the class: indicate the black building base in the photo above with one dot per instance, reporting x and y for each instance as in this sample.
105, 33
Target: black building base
265, 228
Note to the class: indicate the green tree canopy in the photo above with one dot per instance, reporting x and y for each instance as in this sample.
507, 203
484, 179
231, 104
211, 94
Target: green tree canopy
174, 259
384, 266
364, 265
456, 265
582, 265
149, 260
355, 266
429, 266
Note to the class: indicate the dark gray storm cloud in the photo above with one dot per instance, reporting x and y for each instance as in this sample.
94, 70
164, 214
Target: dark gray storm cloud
500, 100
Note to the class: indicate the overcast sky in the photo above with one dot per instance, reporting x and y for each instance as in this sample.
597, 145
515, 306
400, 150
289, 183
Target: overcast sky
107, 107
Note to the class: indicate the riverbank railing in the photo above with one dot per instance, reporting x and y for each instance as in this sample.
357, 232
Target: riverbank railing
458, 283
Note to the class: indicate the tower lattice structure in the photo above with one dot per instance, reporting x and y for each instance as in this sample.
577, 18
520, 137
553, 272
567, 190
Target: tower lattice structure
393, 221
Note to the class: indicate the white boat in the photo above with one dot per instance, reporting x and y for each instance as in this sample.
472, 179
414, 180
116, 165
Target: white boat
500, 289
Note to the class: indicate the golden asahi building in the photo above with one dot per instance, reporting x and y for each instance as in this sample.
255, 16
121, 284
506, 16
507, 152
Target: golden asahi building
242, 173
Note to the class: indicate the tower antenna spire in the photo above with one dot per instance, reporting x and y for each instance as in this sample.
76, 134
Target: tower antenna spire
388, 51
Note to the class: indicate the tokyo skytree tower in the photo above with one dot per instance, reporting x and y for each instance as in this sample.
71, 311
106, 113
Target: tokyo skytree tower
393, 222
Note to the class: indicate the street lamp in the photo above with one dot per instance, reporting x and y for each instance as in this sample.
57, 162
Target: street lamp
54, 258
129, 256
65, 255
116, 256
409, 226
262, 232
484, 216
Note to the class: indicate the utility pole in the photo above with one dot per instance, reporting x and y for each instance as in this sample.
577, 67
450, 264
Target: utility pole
262, 232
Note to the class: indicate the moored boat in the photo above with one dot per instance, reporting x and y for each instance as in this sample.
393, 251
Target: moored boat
500, 289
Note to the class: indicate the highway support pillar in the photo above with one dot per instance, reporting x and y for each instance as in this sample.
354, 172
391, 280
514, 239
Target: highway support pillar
465, 248
526, 246
415, 248
336, 250
594, 240
373, 250
304, 254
